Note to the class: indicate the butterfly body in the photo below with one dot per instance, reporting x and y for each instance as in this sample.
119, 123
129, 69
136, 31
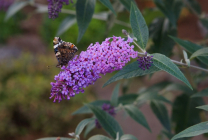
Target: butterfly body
64, 51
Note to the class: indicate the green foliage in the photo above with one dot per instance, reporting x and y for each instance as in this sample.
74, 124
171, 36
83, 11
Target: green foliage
114, 97
161, 112
82, 125
24, 98
108, 4
164, 63
130, 71
137, 115
84, 12
99, 137
128, 137
186, 106
195, 130
108, 123
139, 26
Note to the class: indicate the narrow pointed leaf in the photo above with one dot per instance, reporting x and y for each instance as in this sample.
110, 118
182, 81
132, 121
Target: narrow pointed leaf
86, 110
195, 130
204, 107
161, 112
137, 115
114, 97
66, 24
99, 137
191, 48
108, 4
108, 123
204, 22
82, 125
89, 128
127, 99
200, 52
152, 96
202, 93
128, 137
139, 26
130, 71
127, 3
164, 63
14, 8
84, 13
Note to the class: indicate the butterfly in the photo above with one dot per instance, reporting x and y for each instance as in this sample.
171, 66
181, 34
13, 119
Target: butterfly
64, 51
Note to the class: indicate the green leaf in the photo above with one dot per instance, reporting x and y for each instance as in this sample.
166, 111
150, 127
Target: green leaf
185, 113
108, 4
89, 128
137, 115
204, 22
195, 5
127, 3
139, 26
86, 110
152, 96
84, 12
200, 52
169, 135
191, 48
178, 87
82, 125
14, 8
202, 93
114, 97
110, 125
99, 137
204, 107
128, 137
195, 130
161, 112
66, 24
131, 70
54, 138
160, 29
127, 99
164, 63
167, 10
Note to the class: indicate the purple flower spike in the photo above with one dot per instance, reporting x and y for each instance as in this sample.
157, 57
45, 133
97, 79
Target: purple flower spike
112, 54
145, 61
54, 7
107, 108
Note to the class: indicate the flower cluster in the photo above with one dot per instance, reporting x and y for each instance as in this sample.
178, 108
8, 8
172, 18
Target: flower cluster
4, 4
112, 54
54, 7
107, 108
145, 61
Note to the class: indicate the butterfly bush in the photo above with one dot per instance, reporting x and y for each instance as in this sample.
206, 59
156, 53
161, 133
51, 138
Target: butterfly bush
145, 61
112, 54
54, 7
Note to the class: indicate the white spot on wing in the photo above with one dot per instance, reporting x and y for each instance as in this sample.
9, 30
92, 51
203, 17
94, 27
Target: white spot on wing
55, 46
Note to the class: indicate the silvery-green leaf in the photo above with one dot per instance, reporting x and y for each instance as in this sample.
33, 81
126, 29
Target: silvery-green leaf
99, 137
164, 63
195, 130
202, 93
114, 97
204, 107
139, 26
200, 52
66, 24
109, 124
108, 4
130, 71
14, 8
128, 137
127, 3
82, 125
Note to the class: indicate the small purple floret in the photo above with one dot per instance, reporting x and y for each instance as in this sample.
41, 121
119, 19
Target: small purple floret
54, 7
112, 54
107, 108
145, 61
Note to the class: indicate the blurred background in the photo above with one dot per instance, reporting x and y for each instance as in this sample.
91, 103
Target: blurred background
26, 49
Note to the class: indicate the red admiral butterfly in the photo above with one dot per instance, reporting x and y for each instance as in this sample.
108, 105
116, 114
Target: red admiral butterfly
64, 51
